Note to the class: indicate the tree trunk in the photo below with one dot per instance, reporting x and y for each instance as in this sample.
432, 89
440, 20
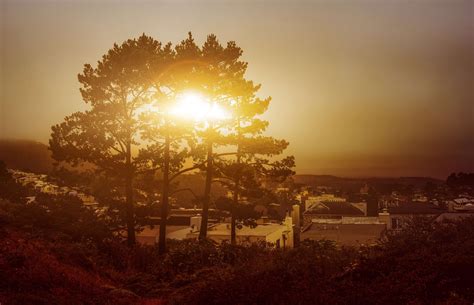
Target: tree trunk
233, 233
164, 197
207, 192
129, 198
235, 201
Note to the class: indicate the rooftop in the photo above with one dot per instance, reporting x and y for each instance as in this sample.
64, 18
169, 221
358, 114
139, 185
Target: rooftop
416, 208
453, 216
150, 234
259, 230
345, 234
335, 208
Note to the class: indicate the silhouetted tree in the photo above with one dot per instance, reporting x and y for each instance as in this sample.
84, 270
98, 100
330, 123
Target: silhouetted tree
9, 188
173, 139
4, 174
460, 180
252, 150
108, 133
372, 199
212, 71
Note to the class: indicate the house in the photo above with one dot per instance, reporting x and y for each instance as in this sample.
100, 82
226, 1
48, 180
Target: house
183, 216
310, 201
362, 206
463, 201
345, 233
331, 210
150, 234
420, 198
455, 213
397, 216
343, 222
453, 216
279, 235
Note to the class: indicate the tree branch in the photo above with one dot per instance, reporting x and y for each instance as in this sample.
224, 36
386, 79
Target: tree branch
225, 154
185, 189
186, 170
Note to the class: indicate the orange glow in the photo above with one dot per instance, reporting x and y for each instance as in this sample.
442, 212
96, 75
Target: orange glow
195, 106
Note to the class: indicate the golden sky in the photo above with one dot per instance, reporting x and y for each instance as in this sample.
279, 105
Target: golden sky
359, 88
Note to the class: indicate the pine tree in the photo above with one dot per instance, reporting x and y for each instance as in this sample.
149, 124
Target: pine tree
253, 151
108, 134
215, 72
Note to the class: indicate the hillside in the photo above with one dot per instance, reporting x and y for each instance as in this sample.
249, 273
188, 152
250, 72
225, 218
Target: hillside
195, 183
56, 250
26, 155
35, 157
355, 183
50, 262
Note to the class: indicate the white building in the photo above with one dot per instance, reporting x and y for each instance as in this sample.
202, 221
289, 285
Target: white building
279, 235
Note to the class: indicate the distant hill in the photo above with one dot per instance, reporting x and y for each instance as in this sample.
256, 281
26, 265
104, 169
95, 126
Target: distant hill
34, 156
195, 182
355, 183
26, 155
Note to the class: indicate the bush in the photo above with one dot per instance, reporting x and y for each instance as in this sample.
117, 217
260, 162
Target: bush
56, 251
428, 263
32, 274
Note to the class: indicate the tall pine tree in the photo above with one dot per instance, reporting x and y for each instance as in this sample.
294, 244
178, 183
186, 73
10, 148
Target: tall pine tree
108, 134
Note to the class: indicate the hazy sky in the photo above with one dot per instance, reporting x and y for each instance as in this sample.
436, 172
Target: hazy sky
359, 88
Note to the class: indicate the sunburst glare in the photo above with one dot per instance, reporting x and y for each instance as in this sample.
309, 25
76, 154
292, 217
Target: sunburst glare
197, 107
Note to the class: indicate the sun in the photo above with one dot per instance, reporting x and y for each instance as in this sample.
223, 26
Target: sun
195, 106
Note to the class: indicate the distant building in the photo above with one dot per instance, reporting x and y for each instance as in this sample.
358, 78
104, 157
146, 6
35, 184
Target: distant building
396, 217
279, 235
150, 234
463, 201
453, 216
364, 190
312, 200
182, 216
331, 210
362, 206
420, 198
343, 222
345, 233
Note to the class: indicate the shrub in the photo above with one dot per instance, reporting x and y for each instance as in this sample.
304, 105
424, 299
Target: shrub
427, 263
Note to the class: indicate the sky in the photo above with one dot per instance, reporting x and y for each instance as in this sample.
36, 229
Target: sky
359, 88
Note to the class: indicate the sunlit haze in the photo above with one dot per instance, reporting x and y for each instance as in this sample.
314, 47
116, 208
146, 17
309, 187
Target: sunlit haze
194, 106
237, 152
359, 88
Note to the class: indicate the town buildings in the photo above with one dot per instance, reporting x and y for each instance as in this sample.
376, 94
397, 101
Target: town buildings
342, 222
280, 235
396, 217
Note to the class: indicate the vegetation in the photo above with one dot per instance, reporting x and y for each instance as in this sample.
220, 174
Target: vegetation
132, 128
460, 180
106, 134
131, 149
26, 155
55, 251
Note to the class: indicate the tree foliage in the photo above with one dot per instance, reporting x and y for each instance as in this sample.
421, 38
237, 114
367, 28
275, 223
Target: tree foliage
460, 180
129, 132
252, 153
107, 134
